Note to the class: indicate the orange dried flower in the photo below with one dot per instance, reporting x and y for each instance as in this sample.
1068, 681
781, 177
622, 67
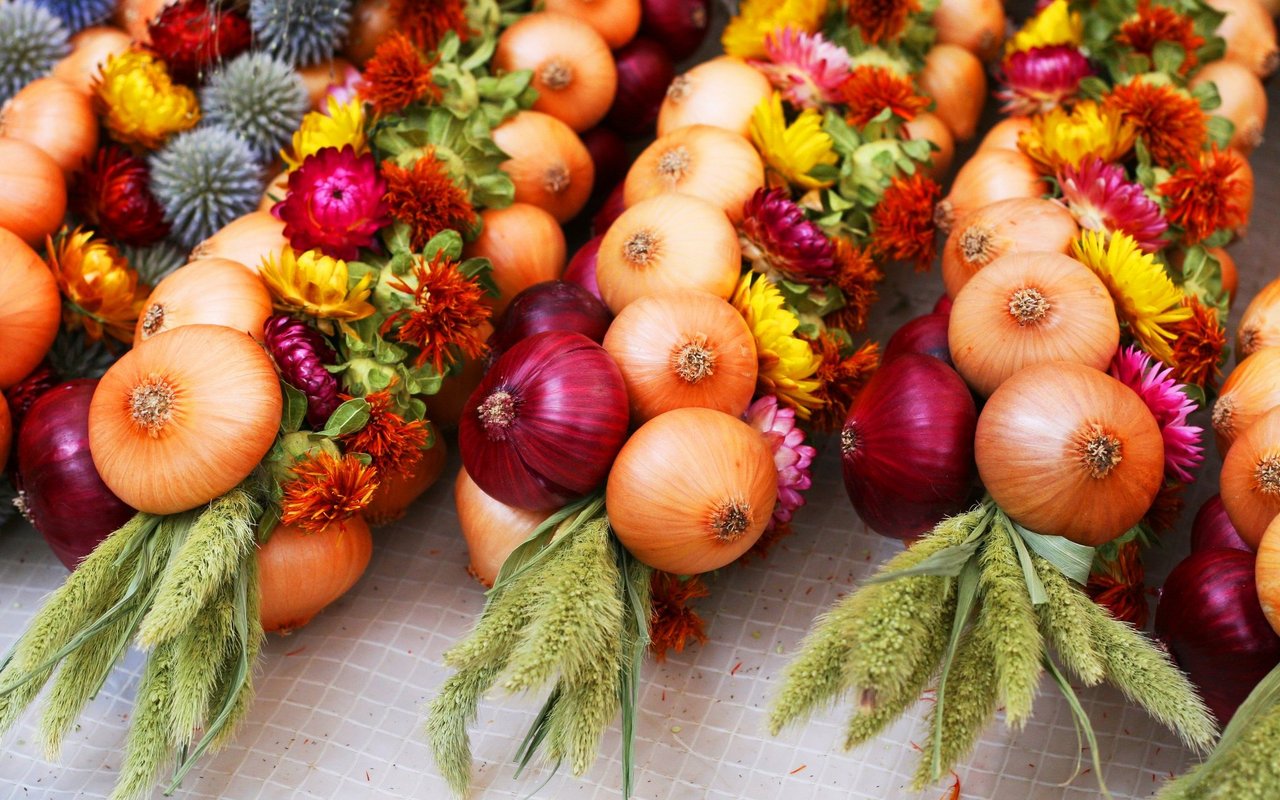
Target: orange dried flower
879, 20
1197, 346
396, 76
1169, 122
394, 443
672, 623
426, 198
902, 222
103, 293
870, 90
1166, 508
426, 22
841, 377
856, 276
326, 489
447, 314
1154, 24
1205, 196
1122, 589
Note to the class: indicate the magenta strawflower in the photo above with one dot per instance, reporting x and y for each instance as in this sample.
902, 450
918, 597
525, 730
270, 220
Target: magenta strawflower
1102, 199
342, 87
1169, 404
300, 353
805, 67
334, 203
778, 239
791, 455
1041, 79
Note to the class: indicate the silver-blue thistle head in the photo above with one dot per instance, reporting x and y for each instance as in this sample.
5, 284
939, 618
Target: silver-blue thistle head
154, 262
77, 15
32, 40
300, 32
259, 97
205, 178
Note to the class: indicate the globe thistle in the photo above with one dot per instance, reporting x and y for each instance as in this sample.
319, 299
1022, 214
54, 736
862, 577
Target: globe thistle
77, 15
205, 178
301, 32
155, 262
32, 40
300, 352
260, 98
73, 356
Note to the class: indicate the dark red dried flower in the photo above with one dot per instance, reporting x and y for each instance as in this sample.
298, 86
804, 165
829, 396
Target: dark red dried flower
112, 193
300, 353
426, 22
22, 394
190, 36
1121, 588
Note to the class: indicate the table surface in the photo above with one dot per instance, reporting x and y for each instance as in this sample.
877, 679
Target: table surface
340, 703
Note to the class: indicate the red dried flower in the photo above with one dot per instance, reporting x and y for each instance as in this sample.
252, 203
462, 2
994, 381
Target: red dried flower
426, 22
881, 19
1197, 348
1166, 508
841, 377
1204, 195
902, 222
1121, 589
394, 443
1170, 122
672, 624
326, 489
190, 36
334, 203
856, 276
426, 198
447, 314
396, 76
870, 90
112, 193
22, 394
1154, 24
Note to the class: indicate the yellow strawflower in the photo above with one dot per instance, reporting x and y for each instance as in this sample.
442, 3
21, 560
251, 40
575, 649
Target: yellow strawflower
787, 363
744, 36
1056, 24
103, 293
1144, 297
1060, 138
791, 152
316, 285
140, 103
342, 125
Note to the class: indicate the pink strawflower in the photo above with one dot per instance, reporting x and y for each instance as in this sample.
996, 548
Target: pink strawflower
334, 203
1169, 404
1041, 79
343, 87
1103, 199
791, 455
805, 67
777, 238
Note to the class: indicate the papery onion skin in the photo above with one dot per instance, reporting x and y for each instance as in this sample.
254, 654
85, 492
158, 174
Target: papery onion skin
615, 20
211, 291
1212, 529
56, 117
396, 492
907, 446
931, 128
1250, 34
524, 244
692, 490
1260, 324
1244, 100
644, 73
582, 267
548, 163
706, 162
63, 495
1030, 308
573, 70
33, 192
1210, 619
1015, 225
990, 175
682, 349
1004, 134
546, 422
1251, 390
1066, 450
975, 25
30, 308
300, 573
721, 93
491, 529
184, 417
1267, 574
90, 49
248, 240
679, 25
1250, 479
955, 79
926, 335
549, 306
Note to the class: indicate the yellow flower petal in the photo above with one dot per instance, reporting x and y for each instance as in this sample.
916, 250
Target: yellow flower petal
787, 363
791, 152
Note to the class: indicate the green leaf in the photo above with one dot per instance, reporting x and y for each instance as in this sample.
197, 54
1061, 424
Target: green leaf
1082, 723
947, 562
1220, 130
447, 243
295, 408
534, 549
966, 596
347, 418
1071, 559
1092, 88
1168, 56
1035, 588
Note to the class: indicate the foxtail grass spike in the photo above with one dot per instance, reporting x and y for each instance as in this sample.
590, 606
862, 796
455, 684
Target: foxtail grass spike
149, 745
970, 704
498, 630
453, 709
1007, 622
201, 653
254, 637
1066, 622
1249, 770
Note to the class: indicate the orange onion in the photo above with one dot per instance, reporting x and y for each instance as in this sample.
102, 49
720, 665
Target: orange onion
1250, 34
975, 25
572, 67
184, 417
1251, 390
56, 117
249, 240
548, 163
682, 349
397, 491
33, 191
1017, 225
444, 408
318, 78
6, 433
133, 16
275, 191
1267, 575
699, 160
1004, 134
30, 309
525, 245
1250, 481
721, 93
991, 175
300, 573
615, 20
90, 49
1066, 450
371, 22
932, 129
1030, 308
670, 242
211, 291
491, 529
1260, 325
691, 490
1244, 100
1230, 274
954, 78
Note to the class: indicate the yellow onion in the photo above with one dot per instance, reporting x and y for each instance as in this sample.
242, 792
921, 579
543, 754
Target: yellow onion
991, 175
573, 70
975, 25
931, 128
211, 291
1260, 325
249, 240
699, 160
1250, 34
33, 192
1244, 100
548, 163
90, 49
954, 78
525, 245
1250, 481
56, 117
30, 309
1251, 390
722, 93
397, 491
1017, 225
299, 573
491, 529
1004, 134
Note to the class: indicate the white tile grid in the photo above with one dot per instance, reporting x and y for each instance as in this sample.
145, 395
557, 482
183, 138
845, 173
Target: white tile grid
340, 703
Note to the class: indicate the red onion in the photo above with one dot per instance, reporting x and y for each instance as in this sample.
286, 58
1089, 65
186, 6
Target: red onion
907, 446
679, 25
613, 207
549, 306
925, 335
1210, 619
609, 157
546, 422
63, 495
1213, 529
943, 306
644, 73
582, 267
